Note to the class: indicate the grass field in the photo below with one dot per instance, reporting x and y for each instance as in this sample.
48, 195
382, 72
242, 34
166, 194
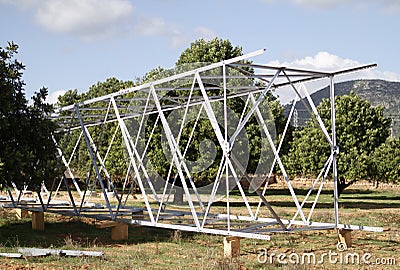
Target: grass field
152, 248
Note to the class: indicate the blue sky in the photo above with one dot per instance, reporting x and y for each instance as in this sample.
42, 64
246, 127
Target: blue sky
68, 44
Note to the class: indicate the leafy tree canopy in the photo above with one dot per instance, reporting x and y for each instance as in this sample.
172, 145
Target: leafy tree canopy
102, 136
211, 51
27, 151
360, 129
200, 51
386, 162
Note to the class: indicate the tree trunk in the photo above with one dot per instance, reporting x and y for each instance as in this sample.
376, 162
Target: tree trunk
376, 183
342, 185
178, 196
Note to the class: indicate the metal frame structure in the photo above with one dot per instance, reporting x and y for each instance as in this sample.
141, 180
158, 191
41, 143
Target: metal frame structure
200, 212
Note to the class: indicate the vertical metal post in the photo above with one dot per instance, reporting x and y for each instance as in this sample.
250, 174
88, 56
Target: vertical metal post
335, 151
228, 221
391, 129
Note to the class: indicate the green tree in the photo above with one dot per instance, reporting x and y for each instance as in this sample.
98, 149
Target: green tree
27, 151
69, 97
360, 129
213, 51
386, 162
102, 136
201, 51
196, 55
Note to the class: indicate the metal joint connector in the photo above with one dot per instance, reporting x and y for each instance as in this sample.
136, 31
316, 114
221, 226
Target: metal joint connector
335, 150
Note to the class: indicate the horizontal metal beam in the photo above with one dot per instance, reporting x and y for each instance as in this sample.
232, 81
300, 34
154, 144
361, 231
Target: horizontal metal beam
167, 79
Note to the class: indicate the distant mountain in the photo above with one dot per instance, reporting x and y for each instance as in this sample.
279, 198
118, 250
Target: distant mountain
378, 92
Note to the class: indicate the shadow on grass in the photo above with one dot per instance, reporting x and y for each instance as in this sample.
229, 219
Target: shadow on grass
301, 192
320, 205
380, 198
349, 199
75, 233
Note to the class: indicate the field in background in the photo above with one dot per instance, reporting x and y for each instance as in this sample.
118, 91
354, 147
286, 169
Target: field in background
151, 248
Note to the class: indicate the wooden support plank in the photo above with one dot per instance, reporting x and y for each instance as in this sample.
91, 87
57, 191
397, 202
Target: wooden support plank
137, 215
119, 232
106, 224
344, 237
21, 213
231, 246
38, 221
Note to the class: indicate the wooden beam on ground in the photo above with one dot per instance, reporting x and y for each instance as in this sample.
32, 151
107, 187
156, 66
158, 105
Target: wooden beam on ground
231, 246
21, 213
38, 221
106, 224
119, 230
138, 214
344, 237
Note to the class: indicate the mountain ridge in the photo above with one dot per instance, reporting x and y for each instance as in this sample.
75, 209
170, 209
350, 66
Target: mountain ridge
378, 92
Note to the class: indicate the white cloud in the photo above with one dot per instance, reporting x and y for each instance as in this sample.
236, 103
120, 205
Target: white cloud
52, 98
178, 40
151, 26
324, 61
319, 3
21, 4
88, 19
387, 6
148, 26
96, 19
205, 33
267, 1
391, 6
